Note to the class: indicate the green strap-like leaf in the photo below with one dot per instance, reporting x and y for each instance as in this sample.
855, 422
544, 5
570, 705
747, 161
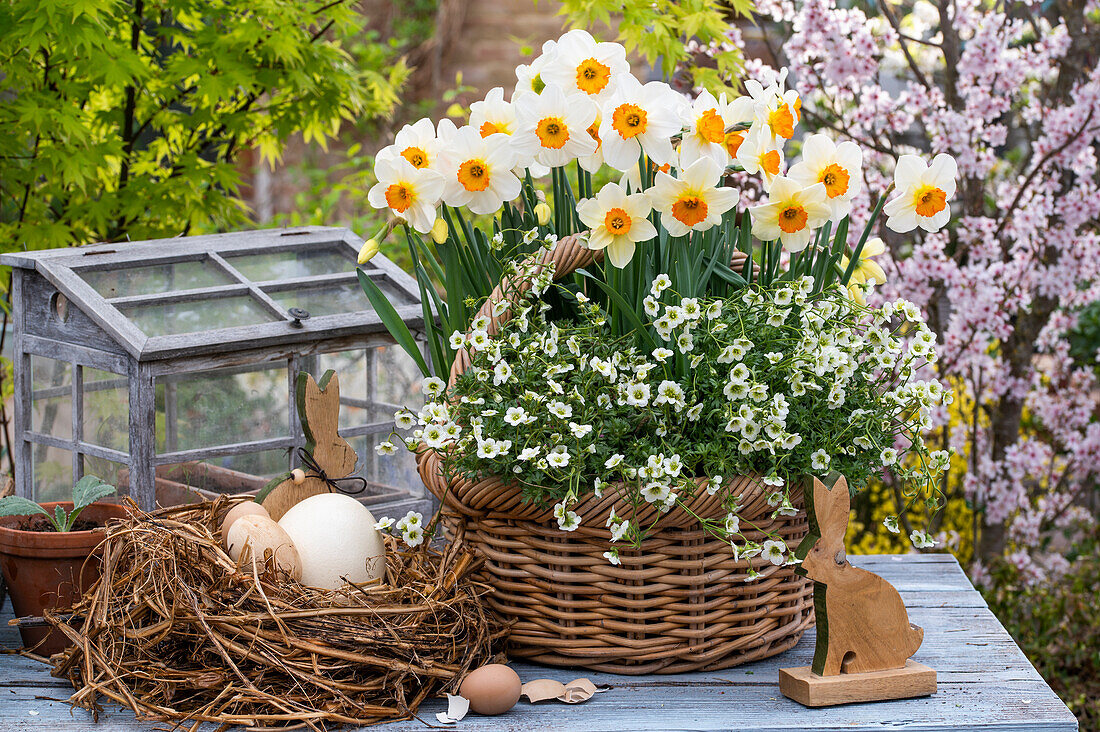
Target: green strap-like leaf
393, 322
627, 311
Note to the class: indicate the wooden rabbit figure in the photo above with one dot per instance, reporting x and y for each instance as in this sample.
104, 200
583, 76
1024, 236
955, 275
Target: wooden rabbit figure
319, 411
864, 637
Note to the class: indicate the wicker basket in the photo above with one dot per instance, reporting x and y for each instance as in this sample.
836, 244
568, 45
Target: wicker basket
680, 603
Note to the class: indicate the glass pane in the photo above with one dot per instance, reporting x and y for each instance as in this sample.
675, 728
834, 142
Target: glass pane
117, 474
222, 407
264, 465
187, 482
52, 397
386, 473
332, 299
157, 278
293, 264
354, 368
397, 379
106, 410
51, 473
190, 317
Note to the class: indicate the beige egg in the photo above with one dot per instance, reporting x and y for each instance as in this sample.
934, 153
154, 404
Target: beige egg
247, 508
491, 689
336, 540
260, 533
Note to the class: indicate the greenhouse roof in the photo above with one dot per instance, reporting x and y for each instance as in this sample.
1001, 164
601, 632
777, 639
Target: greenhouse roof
224, 292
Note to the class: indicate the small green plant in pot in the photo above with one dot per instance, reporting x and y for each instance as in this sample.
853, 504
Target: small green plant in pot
44, 552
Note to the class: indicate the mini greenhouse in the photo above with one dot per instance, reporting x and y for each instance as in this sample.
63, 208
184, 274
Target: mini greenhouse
168, 367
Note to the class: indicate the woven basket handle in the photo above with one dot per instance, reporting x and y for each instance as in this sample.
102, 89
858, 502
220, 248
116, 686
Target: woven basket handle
568, 255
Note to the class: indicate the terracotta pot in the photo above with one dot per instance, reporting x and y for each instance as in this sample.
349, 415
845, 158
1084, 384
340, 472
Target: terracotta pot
45, 569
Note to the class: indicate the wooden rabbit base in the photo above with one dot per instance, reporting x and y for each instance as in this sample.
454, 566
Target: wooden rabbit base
811, 690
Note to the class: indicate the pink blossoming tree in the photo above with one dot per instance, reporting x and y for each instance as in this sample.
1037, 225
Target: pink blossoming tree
1012, 91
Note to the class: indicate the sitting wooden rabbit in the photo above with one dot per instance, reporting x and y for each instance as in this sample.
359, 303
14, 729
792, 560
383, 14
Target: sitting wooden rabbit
318, 409
862, 624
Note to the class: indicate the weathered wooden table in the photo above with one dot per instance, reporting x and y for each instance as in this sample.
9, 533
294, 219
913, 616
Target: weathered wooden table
985, 682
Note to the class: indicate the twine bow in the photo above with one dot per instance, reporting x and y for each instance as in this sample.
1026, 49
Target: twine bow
333, 483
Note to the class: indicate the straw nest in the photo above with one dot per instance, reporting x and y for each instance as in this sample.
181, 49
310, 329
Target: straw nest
178, 632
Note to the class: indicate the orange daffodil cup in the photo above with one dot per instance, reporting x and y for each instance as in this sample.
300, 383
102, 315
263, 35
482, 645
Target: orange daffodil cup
577, 110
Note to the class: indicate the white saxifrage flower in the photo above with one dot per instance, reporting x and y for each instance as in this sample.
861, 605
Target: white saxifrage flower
478, 171
411, 193
616, 222
837, 167
791, 214
706, 133
692, 202
774, 551
553, 128
582, 65
637, 119
922, 194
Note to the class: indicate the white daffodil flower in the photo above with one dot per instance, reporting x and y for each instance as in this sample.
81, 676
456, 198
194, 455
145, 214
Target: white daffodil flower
582, 65
838, 167
637, 119
552, 128
692, 202
411, 193
791, 214
617, 222
477, 171
923, 192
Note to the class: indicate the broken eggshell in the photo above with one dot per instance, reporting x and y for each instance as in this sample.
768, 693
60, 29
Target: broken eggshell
575, 692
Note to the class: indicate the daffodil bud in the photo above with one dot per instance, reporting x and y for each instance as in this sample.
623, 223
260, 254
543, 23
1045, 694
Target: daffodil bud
440, 231
370, 248
542, 213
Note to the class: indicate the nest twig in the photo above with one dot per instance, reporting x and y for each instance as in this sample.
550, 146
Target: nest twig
177, 631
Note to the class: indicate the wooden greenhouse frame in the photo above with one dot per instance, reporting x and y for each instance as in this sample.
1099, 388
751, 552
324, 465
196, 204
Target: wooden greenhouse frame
63, 311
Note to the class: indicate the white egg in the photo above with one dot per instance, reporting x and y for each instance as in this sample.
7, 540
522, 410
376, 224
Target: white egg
335, 538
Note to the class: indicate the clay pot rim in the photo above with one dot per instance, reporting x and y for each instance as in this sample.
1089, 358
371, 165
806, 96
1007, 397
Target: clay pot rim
68, 506
57, 544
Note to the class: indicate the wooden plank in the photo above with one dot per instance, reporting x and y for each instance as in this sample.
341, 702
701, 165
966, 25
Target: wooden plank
1016, 707
97, 359
22, 384
143, 426
986, 685
179, 248
254, 356
204, 453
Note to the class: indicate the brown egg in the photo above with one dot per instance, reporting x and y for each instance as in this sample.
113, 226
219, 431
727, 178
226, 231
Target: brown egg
247, 508
260, 534
491, 689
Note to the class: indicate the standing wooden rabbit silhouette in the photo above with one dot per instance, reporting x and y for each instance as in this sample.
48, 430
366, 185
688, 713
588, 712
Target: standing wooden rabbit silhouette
327, 458
864, 637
